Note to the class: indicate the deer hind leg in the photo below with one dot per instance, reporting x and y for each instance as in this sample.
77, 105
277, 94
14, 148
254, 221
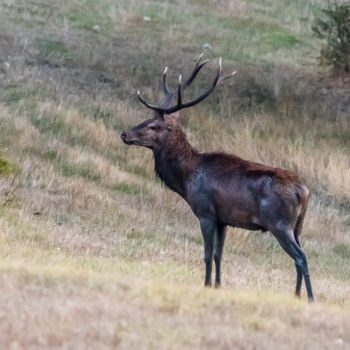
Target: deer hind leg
305, 271
299, 279
218, 248
208, 228
297, 231
287, 241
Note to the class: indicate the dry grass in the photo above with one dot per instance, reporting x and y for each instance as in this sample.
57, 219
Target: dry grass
156, 314
95, 252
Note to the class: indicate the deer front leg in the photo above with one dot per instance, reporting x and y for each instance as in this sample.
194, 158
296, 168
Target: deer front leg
208, 228
218, 247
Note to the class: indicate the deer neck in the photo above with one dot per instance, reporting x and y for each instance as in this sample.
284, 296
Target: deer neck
176, 161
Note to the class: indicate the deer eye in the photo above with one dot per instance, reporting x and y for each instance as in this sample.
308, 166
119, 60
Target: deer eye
153, 127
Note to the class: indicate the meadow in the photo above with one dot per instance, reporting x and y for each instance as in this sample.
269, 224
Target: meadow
95, 253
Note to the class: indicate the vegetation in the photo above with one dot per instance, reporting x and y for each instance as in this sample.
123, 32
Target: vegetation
334, 28
6, 168
95, 252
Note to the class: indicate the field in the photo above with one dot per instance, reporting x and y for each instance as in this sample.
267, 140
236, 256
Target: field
95, 253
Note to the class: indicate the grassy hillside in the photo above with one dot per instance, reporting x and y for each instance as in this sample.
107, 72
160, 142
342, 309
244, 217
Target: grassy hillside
95, 253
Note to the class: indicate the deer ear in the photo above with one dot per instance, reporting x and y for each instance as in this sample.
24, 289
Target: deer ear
175, 115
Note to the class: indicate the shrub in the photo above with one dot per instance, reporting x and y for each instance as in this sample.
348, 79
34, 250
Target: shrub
334, 28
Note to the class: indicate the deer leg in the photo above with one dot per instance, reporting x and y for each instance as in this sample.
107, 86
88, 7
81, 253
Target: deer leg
286, 239
297, 231
218, 247
305, 271
298, 266
299, 279
208, 228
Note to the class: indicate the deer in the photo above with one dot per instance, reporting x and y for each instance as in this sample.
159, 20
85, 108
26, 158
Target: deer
222, 189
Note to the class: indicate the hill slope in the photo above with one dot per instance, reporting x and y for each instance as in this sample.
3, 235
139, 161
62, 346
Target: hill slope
95, 252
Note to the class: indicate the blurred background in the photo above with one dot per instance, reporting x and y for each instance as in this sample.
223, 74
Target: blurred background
95, 253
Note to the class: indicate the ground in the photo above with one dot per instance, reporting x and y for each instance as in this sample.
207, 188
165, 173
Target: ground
95, 252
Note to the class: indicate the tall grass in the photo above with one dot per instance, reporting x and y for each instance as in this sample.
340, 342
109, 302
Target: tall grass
92, 243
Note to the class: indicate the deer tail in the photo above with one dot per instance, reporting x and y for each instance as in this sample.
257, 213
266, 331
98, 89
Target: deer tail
303, 195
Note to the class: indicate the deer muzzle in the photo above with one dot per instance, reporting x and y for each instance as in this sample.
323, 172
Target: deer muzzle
126, 139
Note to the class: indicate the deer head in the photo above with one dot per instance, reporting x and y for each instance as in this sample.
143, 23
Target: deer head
153, 132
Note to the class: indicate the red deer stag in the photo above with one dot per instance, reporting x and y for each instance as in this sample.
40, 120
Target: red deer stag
223, 189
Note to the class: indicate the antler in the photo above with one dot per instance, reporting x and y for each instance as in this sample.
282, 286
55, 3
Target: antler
199, 65
170, 93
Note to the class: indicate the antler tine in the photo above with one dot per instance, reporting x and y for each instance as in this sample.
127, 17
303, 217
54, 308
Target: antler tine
179, 96
199, 65
226, 77
165, 85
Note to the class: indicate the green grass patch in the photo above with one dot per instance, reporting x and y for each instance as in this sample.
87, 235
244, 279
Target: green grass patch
90, 15
140, 236
13, 93
342, 250
140, 171
53, 124
197, 239
49, 124
128, 188
50, 155
83, 20
7, 168
84, 170
281, 40
106, 115
52, 48
69, 169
